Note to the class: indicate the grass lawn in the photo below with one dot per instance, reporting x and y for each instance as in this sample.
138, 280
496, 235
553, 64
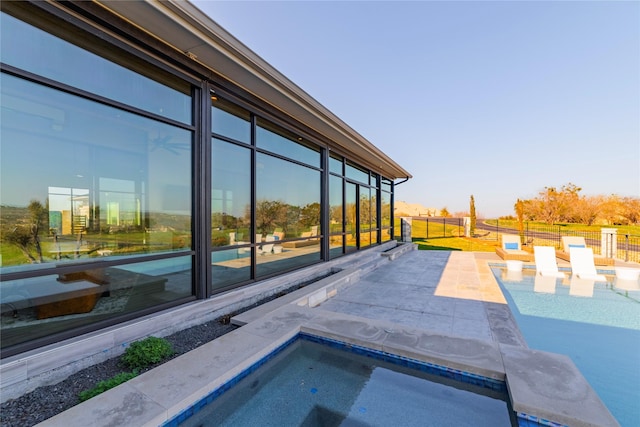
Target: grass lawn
533, 226
455, 244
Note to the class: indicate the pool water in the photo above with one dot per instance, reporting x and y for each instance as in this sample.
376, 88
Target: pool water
314, 384
596, 324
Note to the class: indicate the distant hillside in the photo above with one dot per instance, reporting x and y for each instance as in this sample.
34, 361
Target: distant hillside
413, 209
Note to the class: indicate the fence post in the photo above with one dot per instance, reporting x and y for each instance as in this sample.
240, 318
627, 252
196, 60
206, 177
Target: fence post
406, 229
497, 230
427, 228
444, 227
626, 248
609, 242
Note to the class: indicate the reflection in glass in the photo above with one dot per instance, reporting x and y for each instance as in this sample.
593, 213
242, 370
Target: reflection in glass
62, 61
385, 185
280, 141
335, 216
350, 199
385, 215
231, 121
365, 217
287, 198
230, 194
335, 165
230, 267
99, 182
357, 174
287, 207
273, 257
36, 307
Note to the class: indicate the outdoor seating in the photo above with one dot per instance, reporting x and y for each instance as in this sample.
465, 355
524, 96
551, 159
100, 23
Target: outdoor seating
308, 239
569, 242
583, 266
267, 247
545, 259
511, 249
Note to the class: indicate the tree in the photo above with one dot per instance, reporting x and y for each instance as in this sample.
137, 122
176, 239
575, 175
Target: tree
444, 212
26, 232
472, 214
519, 208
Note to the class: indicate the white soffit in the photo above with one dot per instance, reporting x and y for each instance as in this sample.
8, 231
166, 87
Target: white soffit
184, 27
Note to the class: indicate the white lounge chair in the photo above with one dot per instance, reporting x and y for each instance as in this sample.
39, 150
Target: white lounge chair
582, 264
510, 249
569, 242
546, 265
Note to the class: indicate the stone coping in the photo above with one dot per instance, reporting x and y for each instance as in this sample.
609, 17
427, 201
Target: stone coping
541, 384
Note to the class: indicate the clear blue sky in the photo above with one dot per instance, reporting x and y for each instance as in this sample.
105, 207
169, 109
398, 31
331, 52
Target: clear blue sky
492, 99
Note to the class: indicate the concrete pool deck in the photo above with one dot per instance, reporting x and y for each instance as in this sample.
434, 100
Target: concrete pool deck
440, 307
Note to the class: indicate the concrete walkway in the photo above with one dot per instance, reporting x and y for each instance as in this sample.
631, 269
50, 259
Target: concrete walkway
439, 307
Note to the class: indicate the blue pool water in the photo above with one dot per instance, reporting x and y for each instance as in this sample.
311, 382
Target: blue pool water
310, 383
596, 324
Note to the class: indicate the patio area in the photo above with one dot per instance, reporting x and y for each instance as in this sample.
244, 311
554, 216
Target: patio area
436, 306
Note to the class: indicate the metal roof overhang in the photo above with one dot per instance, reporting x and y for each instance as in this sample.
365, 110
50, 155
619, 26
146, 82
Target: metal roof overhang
182, 26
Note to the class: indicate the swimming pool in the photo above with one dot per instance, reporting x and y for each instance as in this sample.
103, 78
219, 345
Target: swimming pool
315, 381
596, 324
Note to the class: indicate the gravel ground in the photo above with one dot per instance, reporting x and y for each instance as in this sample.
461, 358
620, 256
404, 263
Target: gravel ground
47, 401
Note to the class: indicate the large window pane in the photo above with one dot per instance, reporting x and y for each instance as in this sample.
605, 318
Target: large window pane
38, 307
365, 217
59, 60
230, 194
335, 216
230, 120
82, 180
351, 212
357, 174
230, 267
335, 165
277, 140
287, 207
385, 215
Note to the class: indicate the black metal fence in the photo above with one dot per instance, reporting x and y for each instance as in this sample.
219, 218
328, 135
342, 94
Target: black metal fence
626, 247
622, 246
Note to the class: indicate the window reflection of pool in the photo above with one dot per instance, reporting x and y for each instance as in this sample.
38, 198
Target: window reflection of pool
311, 383
596, 324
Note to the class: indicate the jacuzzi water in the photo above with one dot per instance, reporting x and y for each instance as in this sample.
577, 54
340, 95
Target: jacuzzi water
596, 324
314, 384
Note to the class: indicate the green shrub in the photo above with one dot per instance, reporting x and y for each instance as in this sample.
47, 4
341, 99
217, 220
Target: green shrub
149, 351
105, 385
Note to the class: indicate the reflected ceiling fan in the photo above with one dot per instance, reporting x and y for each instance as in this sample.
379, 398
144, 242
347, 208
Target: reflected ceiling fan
164, 142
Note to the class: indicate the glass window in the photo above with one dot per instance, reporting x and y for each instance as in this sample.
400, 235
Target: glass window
230, 194
85, 180
365, 217
335, 165
230, 267
277, 140
230, 120
385, 184
357, 174
41, 306
385, 215
287, 207
62, 61
335, 216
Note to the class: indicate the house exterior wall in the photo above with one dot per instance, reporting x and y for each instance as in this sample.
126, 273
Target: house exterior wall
132, 182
